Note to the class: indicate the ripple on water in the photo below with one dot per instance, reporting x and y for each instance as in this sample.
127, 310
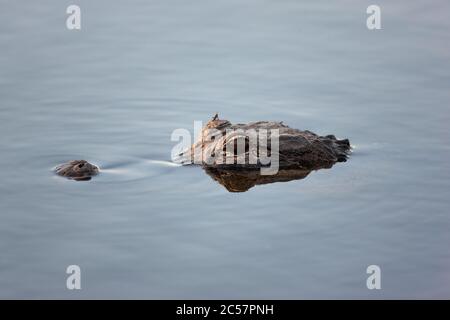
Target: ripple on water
121, 170
133, 170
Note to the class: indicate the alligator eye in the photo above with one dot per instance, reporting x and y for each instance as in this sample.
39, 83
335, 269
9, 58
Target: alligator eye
81, 165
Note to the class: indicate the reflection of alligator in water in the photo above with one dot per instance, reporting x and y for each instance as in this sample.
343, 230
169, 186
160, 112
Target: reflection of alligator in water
242, 180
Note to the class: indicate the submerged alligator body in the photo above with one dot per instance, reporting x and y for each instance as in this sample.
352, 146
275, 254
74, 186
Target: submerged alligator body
296, 149
298, 153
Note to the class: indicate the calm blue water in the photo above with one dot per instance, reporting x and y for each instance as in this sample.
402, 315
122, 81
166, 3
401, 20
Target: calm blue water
113, 92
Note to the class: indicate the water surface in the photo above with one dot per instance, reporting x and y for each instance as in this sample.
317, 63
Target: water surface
113, 92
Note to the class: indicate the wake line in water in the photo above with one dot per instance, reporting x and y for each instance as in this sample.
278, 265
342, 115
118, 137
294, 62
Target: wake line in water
130, 169
164, 163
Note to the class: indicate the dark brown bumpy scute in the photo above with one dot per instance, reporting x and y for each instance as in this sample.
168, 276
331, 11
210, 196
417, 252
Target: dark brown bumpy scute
79, 170
297, 149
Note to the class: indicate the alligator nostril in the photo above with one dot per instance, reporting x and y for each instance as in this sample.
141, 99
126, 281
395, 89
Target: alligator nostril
77, 170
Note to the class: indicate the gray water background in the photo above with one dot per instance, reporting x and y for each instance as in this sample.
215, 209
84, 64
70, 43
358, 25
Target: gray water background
113, 92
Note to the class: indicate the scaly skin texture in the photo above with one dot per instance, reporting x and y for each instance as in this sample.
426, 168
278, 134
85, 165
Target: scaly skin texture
79, 170
297, 149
